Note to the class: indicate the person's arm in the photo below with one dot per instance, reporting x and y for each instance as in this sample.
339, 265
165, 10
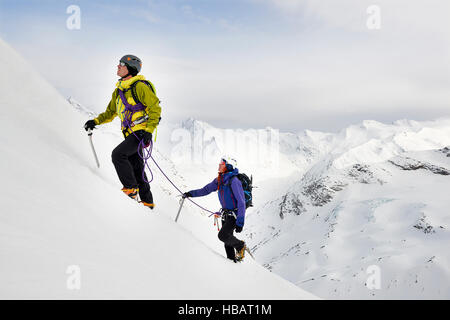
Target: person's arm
151, 102
210, 187
110, 112
238, 192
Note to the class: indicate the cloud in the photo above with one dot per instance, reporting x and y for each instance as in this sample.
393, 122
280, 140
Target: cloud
147, 15
140, 10
339, 67
307, 64
406, 16
188, 12
223, 23
227, 25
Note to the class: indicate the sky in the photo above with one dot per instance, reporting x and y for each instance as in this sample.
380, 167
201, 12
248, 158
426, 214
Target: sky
286, 64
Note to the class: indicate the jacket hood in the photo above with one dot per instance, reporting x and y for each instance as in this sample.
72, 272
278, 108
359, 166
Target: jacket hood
125, 84
228, 175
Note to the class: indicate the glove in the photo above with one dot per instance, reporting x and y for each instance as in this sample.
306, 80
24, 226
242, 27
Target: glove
187, 195
238, 229
89, 125
146, 137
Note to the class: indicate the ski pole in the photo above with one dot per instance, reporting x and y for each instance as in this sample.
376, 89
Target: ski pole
92, 147
179, 209
248, 250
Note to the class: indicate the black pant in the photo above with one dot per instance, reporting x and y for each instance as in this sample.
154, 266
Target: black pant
130, 166
227, 237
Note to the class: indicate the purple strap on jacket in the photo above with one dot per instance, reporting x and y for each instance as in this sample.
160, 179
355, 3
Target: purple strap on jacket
129, 110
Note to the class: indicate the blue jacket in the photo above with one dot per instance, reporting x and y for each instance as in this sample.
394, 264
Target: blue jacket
230, 192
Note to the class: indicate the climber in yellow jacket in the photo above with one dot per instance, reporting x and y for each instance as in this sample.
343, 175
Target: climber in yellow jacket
135, 102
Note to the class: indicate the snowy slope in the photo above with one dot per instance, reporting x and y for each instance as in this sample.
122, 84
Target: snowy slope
59, 210
328, 207
376, 195
339, 205
324, 217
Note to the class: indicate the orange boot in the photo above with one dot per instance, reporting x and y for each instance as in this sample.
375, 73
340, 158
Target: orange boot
241, 253
132, 192
149, 205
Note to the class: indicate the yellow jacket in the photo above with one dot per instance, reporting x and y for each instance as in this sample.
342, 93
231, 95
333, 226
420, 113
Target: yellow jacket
145, 96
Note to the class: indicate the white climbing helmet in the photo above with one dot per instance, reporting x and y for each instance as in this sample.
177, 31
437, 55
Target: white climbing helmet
230, 161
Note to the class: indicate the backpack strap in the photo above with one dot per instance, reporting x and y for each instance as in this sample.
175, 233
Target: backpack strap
129, 110
229, 180
135, 96
229, 184
133, 89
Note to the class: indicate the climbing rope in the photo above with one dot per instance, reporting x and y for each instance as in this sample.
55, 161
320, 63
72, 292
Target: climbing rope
146, 155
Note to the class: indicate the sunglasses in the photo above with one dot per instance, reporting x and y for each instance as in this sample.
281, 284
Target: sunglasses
122, 64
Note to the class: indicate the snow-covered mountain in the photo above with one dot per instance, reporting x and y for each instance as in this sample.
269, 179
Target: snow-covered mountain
332, 212
370, 196
68, 232
329, 208
375, 196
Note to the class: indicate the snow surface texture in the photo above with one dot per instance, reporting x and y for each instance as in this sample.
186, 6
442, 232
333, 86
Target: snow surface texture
361, 214
68, 232
373, 204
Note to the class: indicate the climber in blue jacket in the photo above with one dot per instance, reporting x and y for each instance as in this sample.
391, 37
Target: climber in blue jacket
232, 200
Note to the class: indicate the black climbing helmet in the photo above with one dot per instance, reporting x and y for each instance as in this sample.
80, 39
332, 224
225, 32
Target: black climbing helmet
133, 63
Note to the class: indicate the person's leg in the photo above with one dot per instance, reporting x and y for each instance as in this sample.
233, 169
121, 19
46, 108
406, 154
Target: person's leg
226, 234
231, 253
144, 187
120, 158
